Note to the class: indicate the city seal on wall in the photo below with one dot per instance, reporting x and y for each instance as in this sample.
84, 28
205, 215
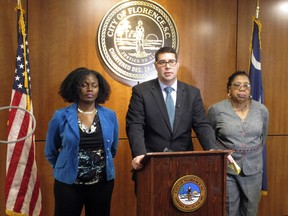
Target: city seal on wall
128, 37
189, 193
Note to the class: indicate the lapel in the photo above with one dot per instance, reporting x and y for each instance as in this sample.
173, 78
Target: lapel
102, 117
72, 119
159, 100
181, 97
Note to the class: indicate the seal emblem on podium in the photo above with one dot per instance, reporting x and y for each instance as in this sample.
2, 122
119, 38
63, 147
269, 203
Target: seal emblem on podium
188, 193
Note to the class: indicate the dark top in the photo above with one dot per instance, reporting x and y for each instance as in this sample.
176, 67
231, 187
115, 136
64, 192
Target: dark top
91, 168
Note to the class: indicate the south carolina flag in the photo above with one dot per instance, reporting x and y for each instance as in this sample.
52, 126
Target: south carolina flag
256, 83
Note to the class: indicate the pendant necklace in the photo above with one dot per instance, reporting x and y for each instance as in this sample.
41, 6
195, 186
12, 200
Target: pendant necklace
241, 109
86, 113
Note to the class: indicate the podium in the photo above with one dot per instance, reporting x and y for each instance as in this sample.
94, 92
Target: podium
162, 183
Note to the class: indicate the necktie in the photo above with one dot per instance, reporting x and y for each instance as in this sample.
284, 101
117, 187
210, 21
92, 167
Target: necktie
170, 105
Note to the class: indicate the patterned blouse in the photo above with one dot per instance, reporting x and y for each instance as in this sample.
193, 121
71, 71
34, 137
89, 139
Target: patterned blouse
91, 167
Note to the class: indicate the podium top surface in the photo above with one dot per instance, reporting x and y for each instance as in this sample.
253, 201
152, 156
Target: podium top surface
175, 153
184, 153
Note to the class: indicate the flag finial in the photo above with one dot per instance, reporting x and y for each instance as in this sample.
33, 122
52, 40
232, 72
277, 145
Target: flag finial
257, 9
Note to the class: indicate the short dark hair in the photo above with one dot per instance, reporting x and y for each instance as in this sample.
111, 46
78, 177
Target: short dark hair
165, 50
232, 77
70, 87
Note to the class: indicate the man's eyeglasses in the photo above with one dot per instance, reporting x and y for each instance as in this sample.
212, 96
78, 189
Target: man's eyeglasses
238, 86
163, 63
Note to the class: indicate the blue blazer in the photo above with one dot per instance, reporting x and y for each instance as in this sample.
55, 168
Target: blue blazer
62, 142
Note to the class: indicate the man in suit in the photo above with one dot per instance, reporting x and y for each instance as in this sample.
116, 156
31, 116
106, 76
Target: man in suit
147, 122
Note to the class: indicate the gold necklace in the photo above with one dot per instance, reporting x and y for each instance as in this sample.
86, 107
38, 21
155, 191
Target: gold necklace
241, 109
86, 113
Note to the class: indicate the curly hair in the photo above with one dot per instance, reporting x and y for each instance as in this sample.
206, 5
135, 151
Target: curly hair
70, 87
232, 77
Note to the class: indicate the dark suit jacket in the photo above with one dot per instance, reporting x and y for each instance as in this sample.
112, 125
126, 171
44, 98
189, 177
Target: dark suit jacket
147, 122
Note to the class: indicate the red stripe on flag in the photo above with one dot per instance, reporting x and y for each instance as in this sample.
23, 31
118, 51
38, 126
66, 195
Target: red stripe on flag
26, 178
35, 196
17, 150
14, 102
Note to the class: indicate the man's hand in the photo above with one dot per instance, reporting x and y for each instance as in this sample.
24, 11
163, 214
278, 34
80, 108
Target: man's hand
136, 162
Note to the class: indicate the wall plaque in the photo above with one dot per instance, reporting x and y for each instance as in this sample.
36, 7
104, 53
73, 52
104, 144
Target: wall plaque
128, 36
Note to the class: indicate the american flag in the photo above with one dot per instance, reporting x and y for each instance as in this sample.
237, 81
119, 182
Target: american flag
22, 189
256, 85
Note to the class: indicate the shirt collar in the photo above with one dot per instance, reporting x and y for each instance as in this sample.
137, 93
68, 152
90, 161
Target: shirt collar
162, 85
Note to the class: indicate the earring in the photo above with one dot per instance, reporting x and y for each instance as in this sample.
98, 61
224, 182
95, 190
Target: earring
250, 97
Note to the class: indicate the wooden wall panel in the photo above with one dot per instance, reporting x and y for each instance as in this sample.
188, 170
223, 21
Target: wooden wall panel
65, 40
277, 163
274, 71
124, 199
274, 55
214, 40
7, 66
2, 177
207, 34
275, 64
73, 28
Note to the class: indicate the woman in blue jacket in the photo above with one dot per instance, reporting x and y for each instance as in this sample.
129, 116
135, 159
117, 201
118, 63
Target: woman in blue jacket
81, 143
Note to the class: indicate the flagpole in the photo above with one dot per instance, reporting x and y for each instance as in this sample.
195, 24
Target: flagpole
256, 83
22, 188
257, 9
27, 21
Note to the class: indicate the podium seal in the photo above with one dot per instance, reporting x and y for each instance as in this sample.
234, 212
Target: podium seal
189, 193
128, 37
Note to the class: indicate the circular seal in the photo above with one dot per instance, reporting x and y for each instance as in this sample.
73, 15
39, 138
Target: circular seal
129, 35
189, 193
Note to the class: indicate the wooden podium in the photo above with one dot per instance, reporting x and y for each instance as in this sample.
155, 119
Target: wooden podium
164, 173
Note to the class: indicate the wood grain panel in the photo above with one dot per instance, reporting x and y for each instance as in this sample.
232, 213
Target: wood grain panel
275, 203
214, 40
8, 44
124, 199
207, 53
156, 180
2, 178
66, 39
274, 55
